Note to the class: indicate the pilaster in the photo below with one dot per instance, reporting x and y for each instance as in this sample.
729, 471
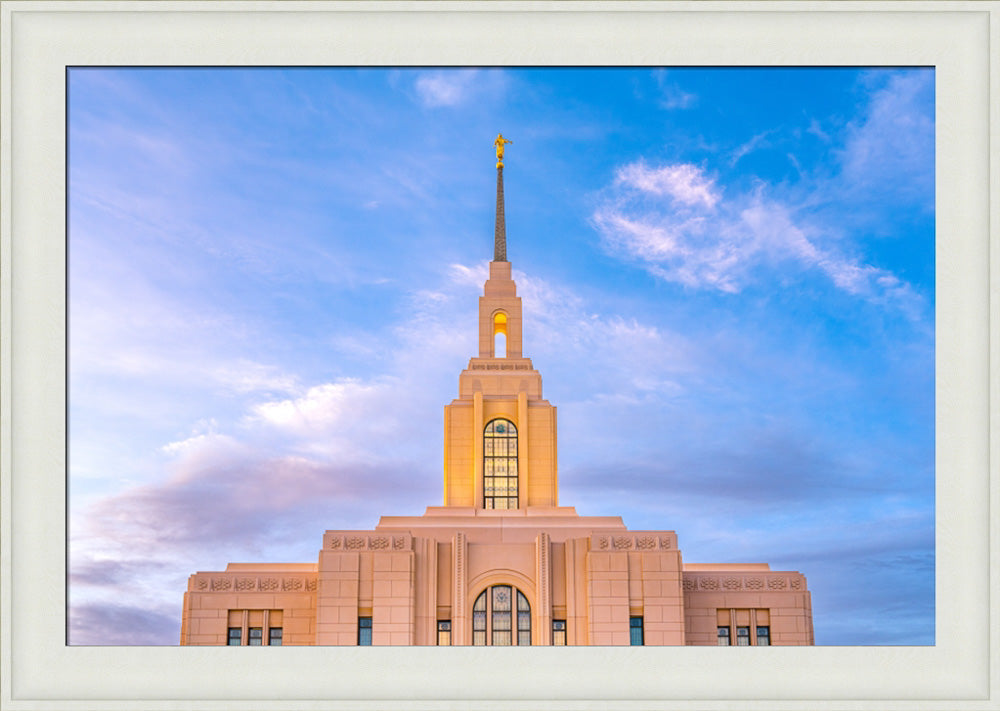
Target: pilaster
543, 588
477, 448
460, 632
425, 560
522, 447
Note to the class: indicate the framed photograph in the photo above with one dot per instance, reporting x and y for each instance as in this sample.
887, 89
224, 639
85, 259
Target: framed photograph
244, 247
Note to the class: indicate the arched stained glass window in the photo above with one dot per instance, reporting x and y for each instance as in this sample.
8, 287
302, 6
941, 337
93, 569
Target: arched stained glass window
500, 465
501, 616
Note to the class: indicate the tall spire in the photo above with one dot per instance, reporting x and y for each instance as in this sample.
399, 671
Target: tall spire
500, 231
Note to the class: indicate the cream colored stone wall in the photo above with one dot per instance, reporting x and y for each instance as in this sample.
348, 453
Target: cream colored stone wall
211, 596
783, 594
338, 603
607, 595
593, 579
662, 601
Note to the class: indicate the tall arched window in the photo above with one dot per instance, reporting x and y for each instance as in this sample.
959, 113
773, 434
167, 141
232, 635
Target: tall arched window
509, 615
500, 465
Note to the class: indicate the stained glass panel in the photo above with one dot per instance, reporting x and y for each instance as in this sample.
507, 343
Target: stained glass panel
500, 465
497, 603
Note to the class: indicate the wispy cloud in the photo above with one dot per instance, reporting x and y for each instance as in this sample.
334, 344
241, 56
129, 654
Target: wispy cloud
757, 141
683, 225
117, 624
697, 236
890, 147
455, 87
683, 183
671, 95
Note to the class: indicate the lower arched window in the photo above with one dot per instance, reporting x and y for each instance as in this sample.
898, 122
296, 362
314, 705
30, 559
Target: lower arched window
501, 616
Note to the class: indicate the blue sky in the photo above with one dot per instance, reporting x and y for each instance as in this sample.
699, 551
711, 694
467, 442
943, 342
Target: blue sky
728, 286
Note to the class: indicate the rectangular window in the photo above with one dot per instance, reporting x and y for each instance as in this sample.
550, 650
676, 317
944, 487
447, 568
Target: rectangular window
235, 637
256, 636
635, 631
764, 636
365, 631
559, 633
444, 633
274, 636
744, 627
742, 636
724, 637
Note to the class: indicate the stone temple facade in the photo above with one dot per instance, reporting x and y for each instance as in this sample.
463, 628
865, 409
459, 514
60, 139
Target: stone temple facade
501, 562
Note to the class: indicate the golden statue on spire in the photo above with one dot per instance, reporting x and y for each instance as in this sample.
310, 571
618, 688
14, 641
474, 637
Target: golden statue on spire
499, 143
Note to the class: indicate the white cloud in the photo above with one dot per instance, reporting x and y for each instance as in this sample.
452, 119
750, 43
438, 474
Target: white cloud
892, 144
246, 376
755, 142
684, 183
330, 409
446, 88
696, 238
817, 130
671, 95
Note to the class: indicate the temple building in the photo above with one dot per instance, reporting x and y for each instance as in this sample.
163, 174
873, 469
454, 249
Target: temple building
500, 562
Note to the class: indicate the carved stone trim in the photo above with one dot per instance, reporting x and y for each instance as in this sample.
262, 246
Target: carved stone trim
639, 541
735, 582
543, 574
500, 366
459, 624
364, 542
243, 583
623, 543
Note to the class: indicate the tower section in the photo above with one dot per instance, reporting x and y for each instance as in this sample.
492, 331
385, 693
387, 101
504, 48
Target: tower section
500, 434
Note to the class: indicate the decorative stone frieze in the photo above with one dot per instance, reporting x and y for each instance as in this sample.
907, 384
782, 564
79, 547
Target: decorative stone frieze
366, 542
500, 366
631, 542
736, 582
243, 583
645, 543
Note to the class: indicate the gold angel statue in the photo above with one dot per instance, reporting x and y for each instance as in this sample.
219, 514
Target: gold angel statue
499, 143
